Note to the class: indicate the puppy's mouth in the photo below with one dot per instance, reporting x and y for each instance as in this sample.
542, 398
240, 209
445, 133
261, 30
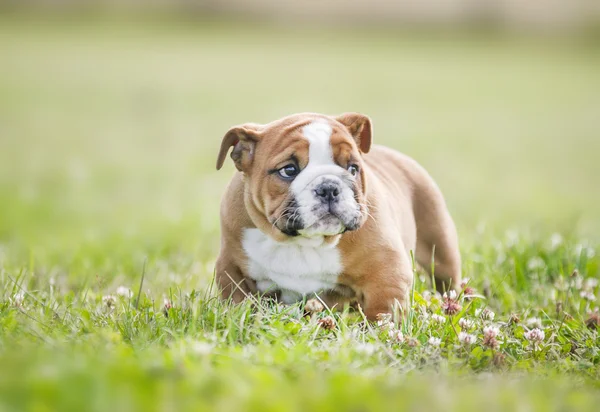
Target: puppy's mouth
327, 224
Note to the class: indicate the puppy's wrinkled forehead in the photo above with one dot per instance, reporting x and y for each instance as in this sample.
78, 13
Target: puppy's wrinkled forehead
295, 135
307, 138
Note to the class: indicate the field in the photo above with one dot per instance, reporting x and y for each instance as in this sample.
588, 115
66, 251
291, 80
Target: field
109, 218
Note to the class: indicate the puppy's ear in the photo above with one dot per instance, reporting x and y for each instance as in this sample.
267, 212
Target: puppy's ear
359, 127
243, 138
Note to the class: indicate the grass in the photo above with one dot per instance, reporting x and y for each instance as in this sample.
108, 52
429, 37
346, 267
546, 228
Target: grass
108, 136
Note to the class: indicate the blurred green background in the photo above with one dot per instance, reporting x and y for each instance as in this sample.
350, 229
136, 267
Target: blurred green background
110, 122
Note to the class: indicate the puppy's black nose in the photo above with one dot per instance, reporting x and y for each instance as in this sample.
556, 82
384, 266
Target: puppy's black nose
328, 192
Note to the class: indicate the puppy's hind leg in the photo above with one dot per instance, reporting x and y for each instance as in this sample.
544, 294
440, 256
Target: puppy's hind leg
437, 243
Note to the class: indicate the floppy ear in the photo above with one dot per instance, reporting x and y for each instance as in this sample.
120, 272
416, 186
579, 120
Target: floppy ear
243, 139
359, 127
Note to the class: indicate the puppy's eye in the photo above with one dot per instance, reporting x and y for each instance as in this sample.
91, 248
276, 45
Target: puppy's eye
288, 171
353, 169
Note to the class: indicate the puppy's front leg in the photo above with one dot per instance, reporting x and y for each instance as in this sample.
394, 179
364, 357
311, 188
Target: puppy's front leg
388, 284
231, 282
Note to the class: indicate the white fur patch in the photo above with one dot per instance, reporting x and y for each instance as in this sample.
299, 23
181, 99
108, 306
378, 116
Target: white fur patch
297, 268
320, 155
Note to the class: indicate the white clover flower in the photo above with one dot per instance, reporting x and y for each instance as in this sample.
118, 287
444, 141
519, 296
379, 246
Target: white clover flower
366, 348
587, 295
512, 237
427, 296
591, 283
535, 335
397, 335
202, 348
384, 320
124, 291
534, 322
450, 306
491, 331
487, 314
314, 306
555, 241
438, 319
412, 342
489, 337
18, 299
501, 258
109, 301
466, 338
561, 284
386, 325
465, 323
585, 250
433, 341
535, 262
464, 283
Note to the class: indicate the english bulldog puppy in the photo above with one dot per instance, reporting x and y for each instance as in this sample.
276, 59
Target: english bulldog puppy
315, 208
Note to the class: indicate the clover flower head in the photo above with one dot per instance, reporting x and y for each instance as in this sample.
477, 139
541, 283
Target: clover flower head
397, 335
18, 299
491, 331
384, 320
464, 283
591, 283
466, 338
535, 335
366, 348
109, 301
450, 305
433, 341
555, 241
412, 342
438, 319
487, 314
313, 306
535, 262
465, 323
202, 348
587, 295
514, 319
124, 291
327, 323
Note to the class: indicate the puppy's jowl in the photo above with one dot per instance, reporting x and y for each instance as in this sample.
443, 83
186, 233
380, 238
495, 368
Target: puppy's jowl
316, 209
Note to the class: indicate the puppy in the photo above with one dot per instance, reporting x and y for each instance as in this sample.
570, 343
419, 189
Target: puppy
315, 208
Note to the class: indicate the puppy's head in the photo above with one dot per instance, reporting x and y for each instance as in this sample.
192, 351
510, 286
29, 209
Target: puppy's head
304, 173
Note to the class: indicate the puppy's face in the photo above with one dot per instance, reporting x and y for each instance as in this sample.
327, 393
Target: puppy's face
304, 173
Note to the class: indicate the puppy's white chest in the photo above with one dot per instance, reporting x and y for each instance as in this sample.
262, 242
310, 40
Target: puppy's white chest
297, 268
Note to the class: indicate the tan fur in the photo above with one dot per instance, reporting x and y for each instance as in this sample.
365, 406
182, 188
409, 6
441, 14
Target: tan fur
406, 212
